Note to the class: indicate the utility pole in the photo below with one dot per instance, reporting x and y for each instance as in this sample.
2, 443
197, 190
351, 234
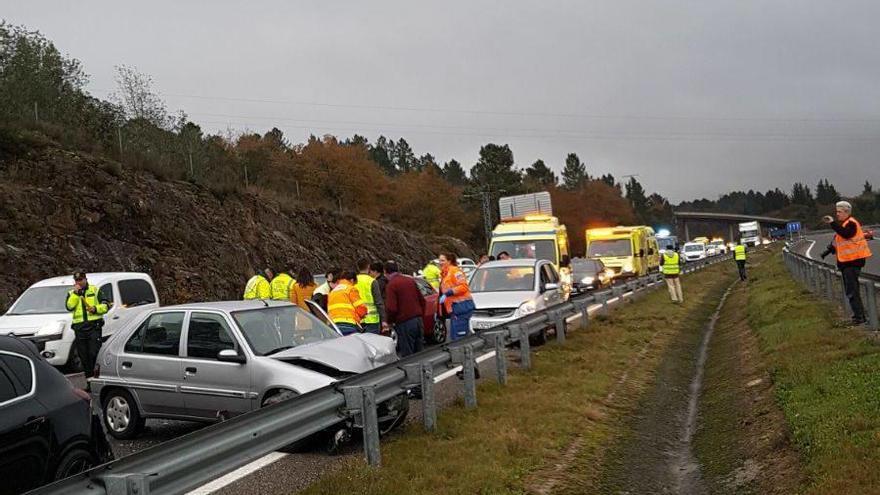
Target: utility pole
487, 214
36, 112
192, 172
119, 134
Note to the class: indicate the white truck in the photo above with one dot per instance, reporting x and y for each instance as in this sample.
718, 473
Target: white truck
750, 233
40, 315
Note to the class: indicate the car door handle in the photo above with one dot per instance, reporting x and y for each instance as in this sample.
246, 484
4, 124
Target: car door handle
126, 365
116, 317
191, 371
34, 424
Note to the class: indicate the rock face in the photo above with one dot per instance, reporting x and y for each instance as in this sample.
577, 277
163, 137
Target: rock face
61, 211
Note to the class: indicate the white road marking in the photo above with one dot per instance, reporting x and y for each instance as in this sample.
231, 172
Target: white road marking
238, 474
807, 254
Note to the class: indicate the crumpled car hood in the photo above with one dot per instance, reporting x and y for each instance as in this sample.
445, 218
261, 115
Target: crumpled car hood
355, 353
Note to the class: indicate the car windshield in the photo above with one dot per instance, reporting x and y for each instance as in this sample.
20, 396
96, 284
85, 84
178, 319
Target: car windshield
536, 250
274, 329
41, 301
587, 267
693, 247
503, 279
610, 247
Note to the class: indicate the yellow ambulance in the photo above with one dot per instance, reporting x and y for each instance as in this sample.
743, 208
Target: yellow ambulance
528, 229
629, 251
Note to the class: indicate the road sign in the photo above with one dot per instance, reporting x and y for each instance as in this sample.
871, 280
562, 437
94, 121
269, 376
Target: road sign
793, 226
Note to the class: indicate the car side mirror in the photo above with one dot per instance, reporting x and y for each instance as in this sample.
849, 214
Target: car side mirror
551, 286
230, 356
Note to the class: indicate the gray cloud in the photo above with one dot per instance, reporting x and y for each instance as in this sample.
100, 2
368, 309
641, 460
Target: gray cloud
696, 97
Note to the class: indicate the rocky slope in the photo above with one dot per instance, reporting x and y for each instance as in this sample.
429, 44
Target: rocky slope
61, 211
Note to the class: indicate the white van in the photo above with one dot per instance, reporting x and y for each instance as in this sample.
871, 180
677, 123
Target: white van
694, 251
40, 315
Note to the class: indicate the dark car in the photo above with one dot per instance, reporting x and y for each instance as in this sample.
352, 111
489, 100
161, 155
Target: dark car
589, 274
47, 429
435, 327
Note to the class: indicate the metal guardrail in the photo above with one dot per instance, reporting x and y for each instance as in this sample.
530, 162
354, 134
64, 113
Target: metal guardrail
825, 280
190, 461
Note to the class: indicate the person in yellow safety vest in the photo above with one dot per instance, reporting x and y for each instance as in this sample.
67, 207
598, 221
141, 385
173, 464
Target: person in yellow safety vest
851, 246
431, 273
345, 307
280, 285
88, 320
258, 287
368, 288
672, 274
739, 255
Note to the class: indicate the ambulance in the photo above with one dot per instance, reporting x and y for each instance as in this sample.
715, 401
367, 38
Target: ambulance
528, 229
629, 251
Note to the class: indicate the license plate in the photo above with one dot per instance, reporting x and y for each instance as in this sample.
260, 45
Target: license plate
480, 325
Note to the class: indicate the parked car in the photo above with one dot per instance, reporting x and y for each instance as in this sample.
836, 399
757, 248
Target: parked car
694, 251
720, 247
435, 327
711, 250
590, 274
211, 361
47, 429
509, 289
40, 315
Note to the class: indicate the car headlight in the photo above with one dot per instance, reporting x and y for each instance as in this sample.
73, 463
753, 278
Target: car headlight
587, 280
527, 308
51, 329
627, 267
609, 273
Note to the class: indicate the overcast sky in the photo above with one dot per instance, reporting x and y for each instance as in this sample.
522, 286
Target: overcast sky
696, 97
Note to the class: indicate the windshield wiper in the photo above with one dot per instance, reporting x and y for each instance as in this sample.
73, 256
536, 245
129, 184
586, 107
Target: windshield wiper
278, 349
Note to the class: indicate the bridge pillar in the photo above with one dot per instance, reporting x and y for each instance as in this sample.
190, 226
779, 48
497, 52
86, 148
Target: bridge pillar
687, 234
730, 233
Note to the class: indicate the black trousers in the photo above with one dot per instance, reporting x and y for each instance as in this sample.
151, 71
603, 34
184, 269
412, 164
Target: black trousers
852, 290
409, 336
87, 340
741, 265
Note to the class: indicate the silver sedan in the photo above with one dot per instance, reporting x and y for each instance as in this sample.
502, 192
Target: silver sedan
212, 361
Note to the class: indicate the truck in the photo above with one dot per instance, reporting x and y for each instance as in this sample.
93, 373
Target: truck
528, 229
750, 233
39, 314
631, 251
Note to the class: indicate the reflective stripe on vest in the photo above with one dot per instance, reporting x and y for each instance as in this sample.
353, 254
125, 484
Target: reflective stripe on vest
739, 252
281, 287
257, 288
671, 264
340, 307
852, 249
365, 288
78, 305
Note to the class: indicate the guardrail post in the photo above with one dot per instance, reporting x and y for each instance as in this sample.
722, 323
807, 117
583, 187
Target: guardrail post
500, 359
871, 299
470, 379
829, 285
845, 300
525, 351
605, 310
585, 317
371, 426
126, 484
560, 326
429, 406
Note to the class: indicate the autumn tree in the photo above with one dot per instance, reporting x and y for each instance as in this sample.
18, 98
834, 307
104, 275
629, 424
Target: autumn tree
594, 204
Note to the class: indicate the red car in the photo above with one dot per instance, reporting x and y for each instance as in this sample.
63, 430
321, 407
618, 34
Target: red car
435, 328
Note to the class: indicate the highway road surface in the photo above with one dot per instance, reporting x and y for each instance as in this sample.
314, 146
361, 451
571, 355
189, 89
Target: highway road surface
816, 243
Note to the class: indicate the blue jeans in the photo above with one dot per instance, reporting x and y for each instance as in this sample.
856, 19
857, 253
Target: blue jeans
348, 328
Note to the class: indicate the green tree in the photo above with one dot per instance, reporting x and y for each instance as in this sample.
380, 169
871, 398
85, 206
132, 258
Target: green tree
868, 188
454, 173
539, 176
403, 157
575, 173
801, 195
493, 174
608, 179
826, 194
635, 194
381, 155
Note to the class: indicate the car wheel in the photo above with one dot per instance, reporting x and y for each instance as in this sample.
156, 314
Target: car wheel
438, 333
74, 462
121, 415
279, 396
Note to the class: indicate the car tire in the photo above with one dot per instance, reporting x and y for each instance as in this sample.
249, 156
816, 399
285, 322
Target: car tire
121, 415
438, 333
74, 462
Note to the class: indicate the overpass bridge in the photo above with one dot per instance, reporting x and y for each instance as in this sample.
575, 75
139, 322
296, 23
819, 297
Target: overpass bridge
683, 217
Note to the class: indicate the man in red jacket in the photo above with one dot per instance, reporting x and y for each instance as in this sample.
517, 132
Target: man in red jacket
404, 307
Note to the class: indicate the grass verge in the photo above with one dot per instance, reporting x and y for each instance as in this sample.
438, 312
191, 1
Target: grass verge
827, 383
522, 436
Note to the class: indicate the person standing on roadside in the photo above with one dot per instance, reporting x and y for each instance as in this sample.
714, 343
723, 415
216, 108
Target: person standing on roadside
302, 289
377, 271
671, 268
281, 285
88, 320
405, 306
322, 291
739, 256
371, 294
431, 273
851, 246
455, 296
258, 287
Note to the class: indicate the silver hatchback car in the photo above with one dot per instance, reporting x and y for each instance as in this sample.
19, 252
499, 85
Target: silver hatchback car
212, 361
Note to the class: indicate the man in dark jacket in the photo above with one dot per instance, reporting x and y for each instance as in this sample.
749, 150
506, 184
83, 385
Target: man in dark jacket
404, 307
851, 246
